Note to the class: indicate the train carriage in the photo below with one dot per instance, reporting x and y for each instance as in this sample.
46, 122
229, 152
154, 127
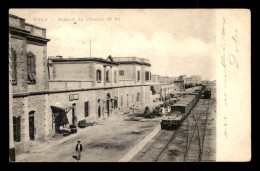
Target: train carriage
207, 94
172, 122
183, 106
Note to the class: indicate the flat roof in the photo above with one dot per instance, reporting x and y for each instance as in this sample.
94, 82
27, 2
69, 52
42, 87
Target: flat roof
82, 59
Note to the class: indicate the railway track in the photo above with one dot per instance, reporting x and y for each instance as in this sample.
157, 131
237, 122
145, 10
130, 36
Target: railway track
172, 138
192, 120
193, 133
204, 130
200, 132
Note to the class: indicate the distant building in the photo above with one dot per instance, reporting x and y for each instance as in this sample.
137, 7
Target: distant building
155, 78
133, 70
196, 79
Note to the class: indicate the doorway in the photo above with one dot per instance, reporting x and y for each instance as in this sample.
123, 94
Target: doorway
99, 109
31, 126
74, 119
108, 104
108, 108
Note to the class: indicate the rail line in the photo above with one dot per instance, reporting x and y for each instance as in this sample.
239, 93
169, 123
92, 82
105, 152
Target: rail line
152, 144
191, 139
196, 118
204, 130
172, 138
200, 140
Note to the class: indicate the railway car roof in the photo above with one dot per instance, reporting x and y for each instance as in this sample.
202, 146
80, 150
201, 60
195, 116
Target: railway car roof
173, 118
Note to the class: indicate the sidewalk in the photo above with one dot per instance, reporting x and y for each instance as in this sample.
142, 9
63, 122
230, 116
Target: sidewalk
107, 142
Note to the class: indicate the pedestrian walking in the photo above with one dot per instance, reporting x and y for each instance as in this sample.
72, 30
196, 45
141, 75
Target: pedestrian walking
78, 150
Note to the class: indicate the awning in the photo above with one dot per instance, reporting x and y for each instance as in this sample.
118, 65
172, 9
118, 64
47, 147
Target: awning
56, 109
59, 113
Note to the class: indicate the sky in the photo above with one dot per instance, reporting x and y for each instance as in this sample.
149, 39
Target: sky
176, 41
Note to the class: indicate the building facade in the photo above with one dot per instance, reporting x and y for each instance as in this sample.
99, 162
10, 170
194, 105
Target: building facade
47, 90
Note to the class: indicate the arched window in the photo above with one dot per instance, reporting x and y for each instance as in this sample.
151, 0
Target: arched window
14, 66
115, 76
138, 75
107, 76
99, 76
31, 68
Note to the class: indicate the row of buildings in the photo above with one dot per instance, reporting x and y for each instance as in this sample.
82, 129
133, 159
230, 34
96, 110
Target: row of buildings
44, 91
193, 79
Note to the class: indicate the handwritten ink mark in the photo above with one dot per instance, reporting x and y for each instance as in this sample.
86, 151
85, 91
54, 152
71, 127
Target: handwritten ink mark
233, 60
223, 29
235, 39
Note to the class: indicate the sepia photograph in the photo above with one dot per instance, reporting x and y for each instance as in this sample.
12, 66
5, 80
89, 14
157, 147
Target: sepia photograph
129, 85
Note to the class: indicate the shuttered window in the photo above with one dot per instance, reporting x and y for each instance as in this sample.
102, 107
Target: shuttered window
14, 66
31, 68
17, 128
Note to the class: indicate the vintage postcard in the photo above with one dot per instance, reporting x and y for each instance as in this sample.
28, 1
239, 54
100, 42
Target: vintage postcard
129, 85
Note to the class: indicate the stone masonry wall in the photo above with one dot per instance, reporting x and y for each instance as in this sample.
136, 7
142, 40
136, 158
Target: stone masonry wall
37, 103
